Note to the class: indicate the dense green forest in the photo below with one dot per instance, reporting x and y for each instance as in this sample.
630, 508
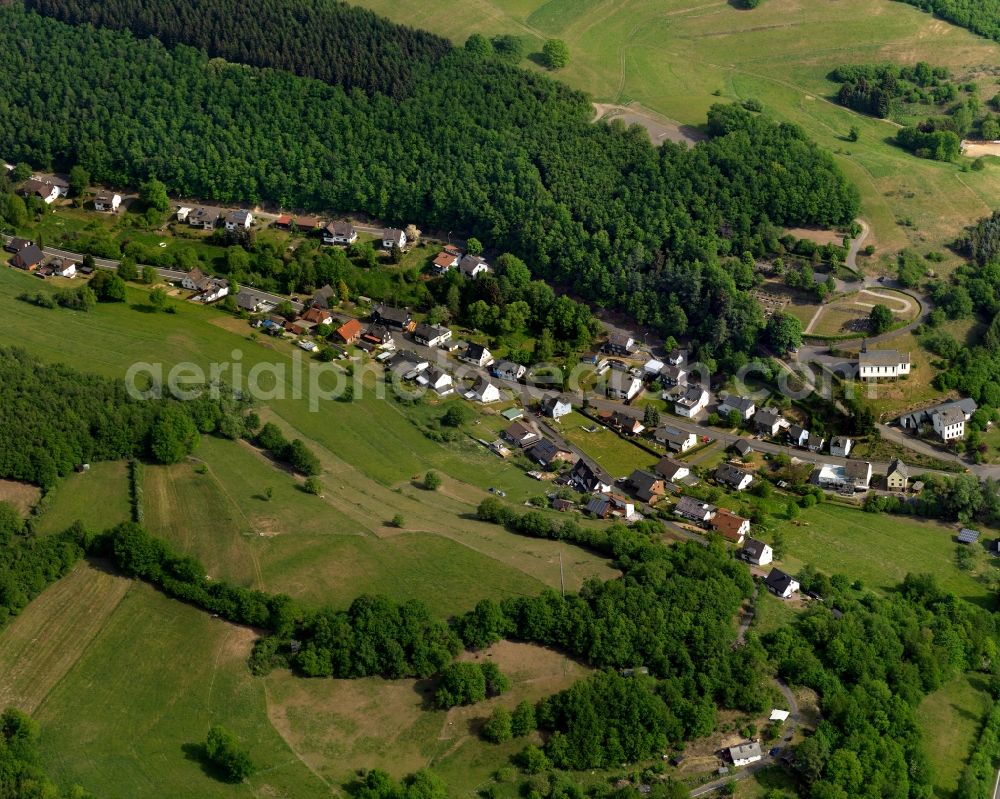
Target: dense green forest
324, 39
477, 146
979, 16
53, 419
872, 662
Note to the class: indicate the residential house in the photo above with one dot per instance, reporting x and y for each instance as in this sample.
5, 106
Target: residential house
393, 237
472, 266
205, 218
589, 479
781, 584
318, 316
520, 435
671, 470
733, 476
28, 258
917, 419
622, 506
477, 355
840, 446
377, 336
183, 212
45, 190
692, 402
854, 475
194, 280
619, 343
437, 380
623, 423
744, 406
44, 271
623, 386
407, 364
444, 262
63, 267
744, 754
545, 452
767, 422
248, 300
695, 510
882, 364
798, 436
814, 443
393, 318
508, 370
324, 297
675, 439
339, 232
599, 506
308, 346
107, 201
562, 505
483, 391
556, 407
898, 476
756, 552
238, 220
949, 423
431, 335
672, 375
350, 331
677, 357
213, 289
16, 244
730, 526
742, 447
648, 486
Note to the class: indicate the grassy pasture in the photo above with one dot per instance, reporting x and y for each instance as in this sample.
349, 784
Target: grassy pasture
616, 455
879, 549
98, 498
679, 57
950, 720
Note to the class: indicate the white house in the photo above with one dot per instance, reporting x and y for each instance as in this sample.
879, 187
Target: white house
856, 475
508, 370
472, 266
46, 191
798, 435
949, 423
692, 402
733, 477
206, 218
194, 279
767, 422
730, 526
182, 213
437, 380
556, 407
694, 509
916, 419
107, 201
756, 552
883, 364
339, 232
431, 335
781, 584
675, 439
238, 220
671, 470
623, 386
63, 268
214, 291
840, 446
673, 375
652, 368
483, 391
619, 343
744, 406
745, 754
393, 237
477, 355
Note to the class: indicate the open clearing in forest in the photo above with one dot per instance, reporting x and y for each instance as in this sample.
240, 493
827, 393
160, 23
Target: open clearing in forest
676, 58
22, 496
849, 314
98, 498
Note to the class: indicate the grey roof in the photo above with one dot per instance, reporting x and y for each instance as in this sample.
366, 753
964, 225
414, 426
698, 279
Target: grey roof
398, 316
727, 473
668, 467
599, 505
29, 255
745, 751
506, 366
742, 446
742, 404
248, 300
898, 467
839, 441
475, 352
753, 548
766, 417
589, 476
857, 470
428, 332
340, 228
796, 432
950, 415
393, 234
543, 451
883, 358
778, 581
643, 481
672, 434
238, 217
814, 441
469, 263
690, 506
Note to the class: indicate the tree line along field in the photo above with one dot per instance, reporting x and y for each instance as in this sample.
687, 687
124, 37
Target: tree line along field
671, 57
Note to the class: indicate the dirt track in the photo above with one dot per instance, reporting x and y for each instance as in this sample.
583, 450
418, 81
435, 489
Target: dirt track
660, 129
975, 149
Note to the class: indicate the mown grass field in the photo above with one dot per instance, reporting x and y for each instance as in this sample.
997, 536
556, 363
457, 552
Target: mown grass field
950, 719
98, 498
879, 549
678, 57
